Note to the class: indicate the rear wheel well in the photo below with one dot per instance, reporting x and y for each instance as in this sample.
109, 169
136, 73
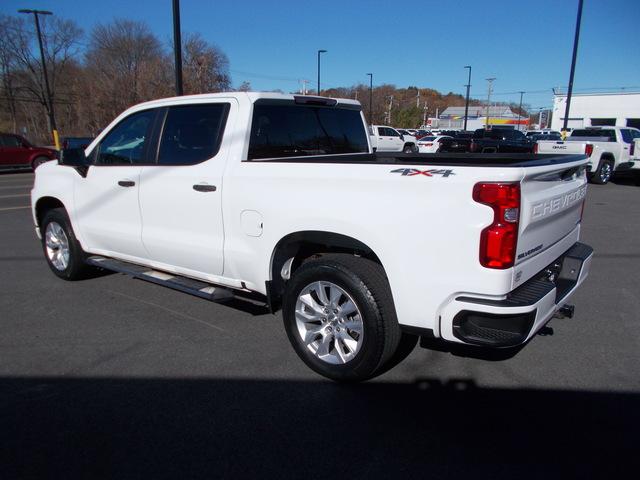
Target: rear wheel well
44, 204
294, 249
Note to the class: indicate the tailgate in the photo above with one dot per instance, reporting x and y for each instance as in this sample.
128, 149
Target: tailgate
560, 147
551, 207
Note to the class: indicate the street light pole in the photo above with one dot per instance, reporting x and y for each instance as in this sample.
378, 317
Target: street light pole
370, 98
177, 46
490, 80
466, 105
520, 110
573, 67
52, 117
319, 52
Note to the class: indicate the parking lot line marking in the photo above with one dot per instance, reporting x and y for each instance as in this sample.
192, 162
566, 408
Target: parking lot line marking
14, 196
179, 314
13, 208
14, 187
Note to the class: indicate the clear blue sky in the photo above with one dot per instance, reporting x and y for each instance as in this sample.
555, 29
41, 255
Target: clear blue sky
525, 44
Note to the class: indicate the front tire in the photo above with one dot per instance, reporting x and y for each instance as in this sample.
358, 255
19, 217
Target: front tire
62, 251
339, 316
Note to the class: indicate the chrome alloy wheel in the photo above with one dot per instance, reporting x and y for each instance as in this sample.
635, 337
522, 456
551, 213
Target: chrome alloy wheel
57, 246
329, 322
605, 172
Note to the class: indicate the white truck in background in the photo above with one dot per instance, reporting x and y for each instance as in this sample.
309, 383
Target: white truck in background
388, 139
279, 199
610, 149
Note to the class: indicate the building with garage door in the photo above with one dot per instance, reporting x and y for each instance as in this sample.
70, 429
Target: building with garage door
592, 109
453, 117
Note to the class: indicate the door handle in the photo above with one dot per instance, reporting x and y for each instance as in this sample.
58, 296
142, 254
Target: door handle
201, 187
126, 183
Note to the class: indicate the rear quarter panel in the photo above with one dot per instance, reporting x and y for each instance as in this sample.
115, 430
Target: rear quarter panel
425, 229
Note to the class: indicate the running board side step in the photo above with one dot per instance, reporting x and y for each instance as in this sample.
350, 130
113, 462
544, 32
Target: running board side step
176, 282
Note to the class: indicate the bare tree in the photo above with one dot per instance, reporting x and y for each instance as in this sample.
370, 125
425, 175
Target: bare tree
205, 66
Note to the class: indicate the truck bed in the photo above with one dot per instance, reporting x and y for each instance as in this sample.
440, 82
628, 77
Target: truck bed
515, 160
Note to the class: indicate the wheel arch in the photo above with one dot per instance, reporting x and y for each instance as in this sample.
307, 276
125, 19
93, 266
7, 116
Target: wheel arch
296, 247
44, 204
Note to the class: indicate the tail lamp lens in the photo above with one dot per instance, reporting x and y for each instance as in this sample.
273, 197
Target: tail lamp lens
535, 147
588, 149
498, 241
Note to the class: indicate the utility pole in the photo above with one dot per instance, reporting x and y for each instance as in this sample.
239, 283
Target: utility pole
319, 52
370, 98
52, 117
573, 68
304, 86
466, 104
390, 107
490, 80
520, 109
424, 114
177, 47
418, 100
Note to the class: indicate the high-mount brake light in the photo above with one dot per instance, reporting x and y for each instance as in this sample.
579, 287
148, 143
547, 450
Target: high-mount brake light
498, 241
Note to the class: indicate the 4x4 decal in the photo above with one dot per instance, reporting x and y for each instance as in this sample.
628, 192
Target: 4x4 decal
410, 172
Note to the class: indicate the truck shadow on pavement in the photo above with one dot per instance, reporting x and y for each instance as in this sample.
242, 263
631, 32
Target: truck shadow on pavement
216, 428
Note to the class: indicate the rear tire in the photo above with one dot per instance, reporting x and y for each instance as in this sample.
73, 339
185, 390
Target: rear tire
63, 253
408, 149
603, 174
346, 347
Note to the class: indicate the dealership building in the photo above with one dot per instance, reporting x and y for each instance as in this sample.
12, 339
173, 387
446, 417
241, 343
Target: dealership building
453, 117
597, 109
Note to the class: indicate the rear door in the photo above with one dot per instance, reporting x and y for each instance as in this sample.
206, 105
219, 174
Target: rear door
181, 196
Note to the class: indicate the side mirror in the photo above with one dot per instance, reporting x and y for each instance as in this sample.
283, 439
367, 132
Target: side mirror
73, 157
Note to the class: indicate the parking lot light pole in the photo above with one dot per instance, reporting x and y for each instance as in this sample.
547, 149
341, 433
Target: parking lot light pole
466, 105
520, 110
370, 98
573, 67
177, 47
319, 52
52, 117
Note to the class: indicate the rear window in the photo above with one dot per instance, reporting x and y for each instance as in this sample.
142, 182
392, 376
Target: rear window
288, 130
610, 135
427, 139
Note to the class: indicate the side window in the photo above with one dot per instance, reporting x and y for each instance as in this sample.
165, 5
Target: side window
392, 132
10, 141
125, 144
192, 133
635, 134
626, 135
289, 130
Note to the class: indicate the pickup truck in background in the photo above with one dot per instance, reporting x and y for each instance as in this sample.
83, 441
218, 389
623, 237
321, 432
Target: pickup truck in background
279, 199
610, 149
388, 139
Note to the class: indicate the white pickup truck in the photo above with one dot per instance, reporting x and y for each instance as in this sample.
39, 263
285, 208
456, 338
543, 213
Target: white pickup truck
388, 139
610, 149
279, 199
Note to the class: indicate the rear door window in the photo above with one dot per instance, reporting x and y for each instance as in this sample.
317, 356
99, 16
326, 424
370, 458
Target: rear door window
288, 130
192, 133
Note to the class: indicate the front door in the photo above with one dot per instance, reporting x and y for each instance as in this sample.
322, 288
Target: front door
106, 200
181, 196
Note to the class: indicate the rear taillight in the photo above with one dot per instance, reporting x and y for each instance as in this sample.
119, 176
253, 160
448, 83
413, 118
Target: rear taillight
498, 241
632, 149
535, 147
588, 149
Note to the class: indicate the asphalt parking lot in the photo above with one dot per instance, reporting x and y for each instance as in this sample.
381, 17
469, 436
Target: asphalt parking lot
117, 378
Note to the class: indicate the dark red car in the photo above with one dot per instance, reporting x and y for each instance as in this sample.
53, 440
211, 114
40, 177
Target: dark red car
17, 153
